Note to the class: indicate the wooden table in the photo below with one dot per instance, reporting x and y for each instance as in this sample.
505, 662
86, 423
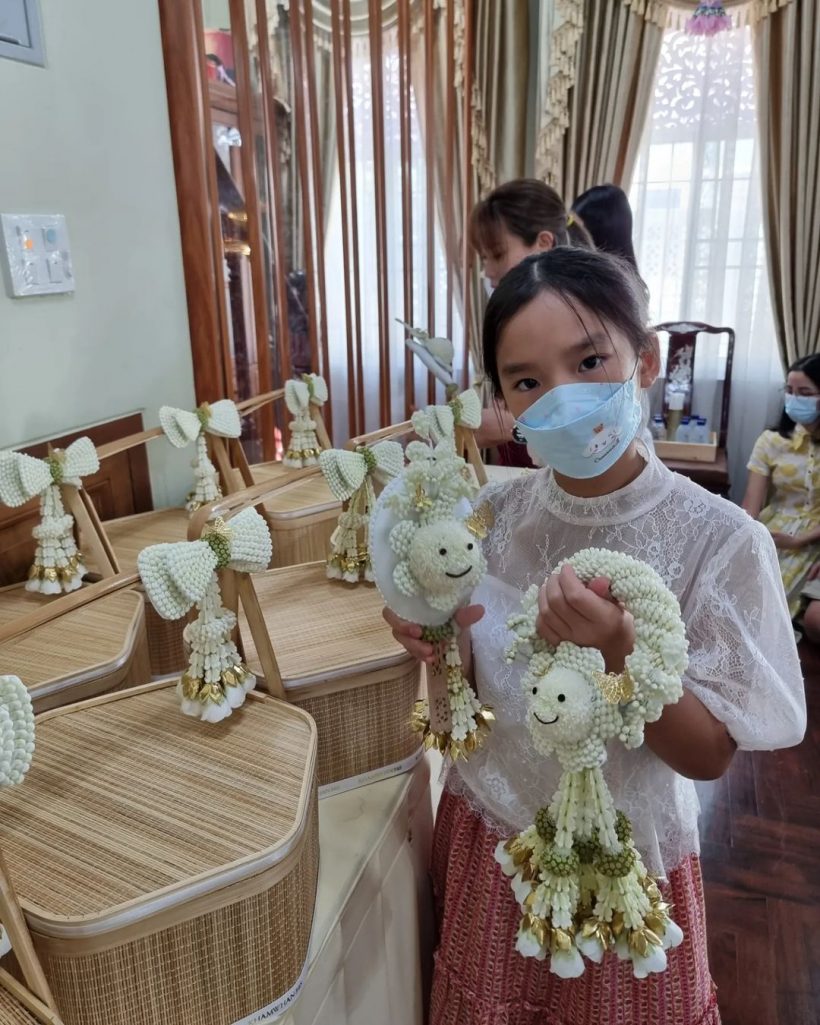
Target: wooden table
712, 476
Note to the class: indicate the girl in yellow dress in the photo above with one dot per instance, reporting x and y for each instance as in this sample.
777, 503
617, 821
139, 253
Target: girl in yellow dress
784, 479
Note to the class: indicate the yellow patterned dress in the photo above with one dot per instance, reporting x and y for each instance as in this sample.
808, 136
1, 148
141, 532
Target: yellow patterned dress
793, 469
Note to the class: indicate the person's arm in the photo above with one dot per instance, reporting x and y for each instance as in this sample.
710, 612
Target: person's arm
687, 737
757, 488
496, 428
409, 636
691, 740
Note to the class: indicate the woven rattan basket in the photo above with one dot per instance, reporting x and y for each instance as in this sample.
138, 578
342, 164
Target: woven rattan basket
98, 648
302, 521
128, 536
167, 869
339, 661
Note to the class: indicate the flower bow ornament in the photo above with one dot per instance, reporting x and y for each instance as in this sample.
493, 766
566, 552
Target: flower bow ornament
577, 875
300, 395
425, 549
16, 745
58, 565
182, 426
352, 476
435, 353
178, 576
710, 17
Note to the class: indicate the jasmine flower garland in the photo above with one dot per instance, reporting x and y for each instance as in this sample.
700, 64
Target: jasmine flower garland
58, 564
16, 745
181, 427
427, 559
300, 395
575, 872
178, 576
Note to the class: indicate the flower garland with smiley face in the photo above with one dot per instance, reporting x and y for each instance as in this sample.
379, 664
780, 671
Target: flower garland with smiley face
426, 554
576, 873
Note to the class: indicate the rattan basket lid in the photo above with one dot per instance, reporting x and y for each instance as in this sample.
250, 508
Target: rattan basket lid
321, 629
131, 808
308, 497
82, 645
130, 534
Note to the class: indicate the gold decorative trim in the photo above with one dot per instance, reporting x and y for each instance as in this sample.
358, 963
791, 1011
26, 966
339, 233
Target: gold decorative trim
555, 113
238, 248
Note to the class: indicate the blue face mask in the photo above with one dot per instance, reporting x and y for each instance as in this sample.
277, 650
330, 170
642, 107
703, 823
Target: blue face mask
802, 408
581, 430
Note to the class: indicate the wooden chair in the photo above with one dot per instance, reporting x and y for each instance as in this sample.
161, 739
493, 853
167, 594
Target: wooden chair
684, 337
170, 848
28, 1001
102, 648
325, 647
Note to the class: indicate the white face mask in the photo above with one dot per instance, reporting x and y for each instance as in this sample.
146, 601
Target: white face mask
488, 287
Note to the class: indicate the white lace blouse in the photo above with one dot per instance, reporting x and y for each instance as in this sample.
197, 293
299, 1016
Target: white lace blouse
743, 664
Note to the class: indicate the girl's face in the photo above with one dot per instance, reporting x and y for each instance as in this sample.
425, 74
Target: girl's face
799, 383
547, 344
509, 251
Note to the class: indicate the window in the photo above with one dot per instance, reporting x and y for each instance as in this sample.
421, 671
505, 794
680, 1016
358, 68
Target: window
698, 220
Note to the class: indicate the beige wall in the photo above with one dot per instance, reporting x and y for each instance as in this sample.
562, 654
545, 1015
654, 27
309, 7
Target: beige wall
88, 137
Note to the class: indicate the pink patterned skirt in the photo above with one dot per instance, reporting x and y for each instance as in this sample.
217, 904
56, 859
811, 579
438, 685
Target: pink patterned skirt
479, 978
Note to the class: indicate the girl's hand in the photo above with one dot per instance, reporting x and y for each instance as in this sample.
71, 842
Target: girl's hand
587, 615
409, 634
788, 541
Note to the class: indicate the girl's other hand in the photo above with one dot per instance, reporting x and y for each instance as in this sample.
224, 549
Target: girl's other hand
409, 634
586, 615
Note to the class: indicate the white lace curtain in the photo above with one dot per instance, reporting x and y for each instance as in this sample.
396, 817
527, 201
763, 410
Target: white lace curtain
366, 256
698, 225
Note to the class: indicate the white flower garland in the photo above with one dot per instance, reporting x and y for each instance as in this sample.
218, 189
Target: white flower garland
16, 746
578, 877
178, 576
182, 426
351, 477
300, 395
440, 560
58, 564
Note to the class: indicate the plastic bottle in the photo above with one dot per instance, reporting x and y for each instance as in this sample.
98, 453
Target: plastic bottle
658, 428
684, 432
701, 432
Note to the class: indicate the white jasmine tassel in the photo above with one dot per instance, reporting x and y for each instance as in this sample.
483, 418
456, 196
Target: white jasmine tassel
178, 576
58, 564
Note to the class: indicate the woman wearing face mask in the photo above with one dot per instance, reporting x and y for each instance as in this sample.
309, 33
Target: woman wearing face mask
516, 220
567, 349
783, 490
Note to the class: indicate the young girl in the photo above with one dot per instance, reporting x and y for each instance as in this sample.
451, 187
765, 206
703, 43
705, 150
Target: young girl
514, 221
571, 324
786, 462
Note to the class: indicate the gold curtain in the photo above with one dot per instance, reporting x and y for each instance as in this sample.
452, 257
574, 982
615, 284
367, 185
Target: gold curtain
787, 52
614, 76
499, 124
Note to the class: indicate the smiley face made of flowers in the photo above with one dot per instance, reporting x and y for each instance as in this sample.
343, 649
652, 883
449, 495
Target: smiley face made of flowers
577, 875
426, 554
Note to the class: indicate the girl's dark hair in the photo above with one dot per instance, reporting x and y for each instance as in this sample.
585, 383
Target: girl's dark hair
606, 212
524, 207
583, 278
810, 366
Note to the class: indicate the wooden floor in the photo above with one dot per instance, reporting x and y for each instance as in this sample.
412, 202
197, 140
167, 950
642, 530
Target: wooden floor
761, 861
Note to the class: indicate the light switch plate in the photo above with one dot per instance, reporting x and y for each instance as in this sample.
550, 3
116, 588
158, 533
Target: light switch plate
37, 254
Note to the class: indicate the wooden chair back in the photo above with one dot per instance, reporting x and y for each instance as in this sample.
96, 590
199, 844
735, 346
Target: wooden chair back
683, 335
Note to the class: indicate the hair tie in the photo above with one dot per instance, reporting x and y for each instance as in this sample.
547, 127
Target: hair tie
570, 220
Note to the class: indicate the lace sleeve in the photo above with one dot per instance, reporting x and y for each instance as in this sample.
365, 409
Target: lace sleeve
743, 659
760, 461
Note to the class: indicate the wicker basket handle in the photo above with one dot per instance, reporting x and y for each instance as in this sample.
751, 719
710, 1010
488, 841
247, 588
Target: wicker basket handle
14, 922
66, 603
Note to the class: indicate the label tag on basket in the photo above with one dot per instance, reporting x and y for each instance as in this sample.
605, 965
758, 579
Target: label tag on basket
274, 1011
